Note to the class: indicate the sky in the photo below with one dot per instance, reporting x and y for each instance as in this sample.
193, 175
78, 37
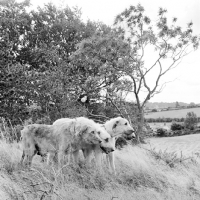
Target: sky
183, 81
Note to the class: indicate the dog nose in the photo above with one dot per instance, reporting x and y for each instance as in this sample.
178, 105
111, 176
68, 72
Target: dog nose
133, 135
110, 150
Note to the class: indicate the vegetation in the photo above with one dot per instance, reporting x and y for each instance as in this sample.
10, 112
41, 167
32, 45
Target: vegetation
191, 121
157, 175
170, 43
50, 59
54, 65
172, 114
175, 126
177, 129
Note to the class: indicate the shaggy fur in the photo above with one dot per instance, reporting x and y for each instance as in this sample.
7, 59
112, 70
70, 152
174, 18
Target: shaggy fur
115, 127
107, 145
63, 139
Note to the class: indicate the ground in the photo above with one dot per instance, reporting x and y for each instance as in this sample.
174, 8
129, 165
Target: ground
153, 171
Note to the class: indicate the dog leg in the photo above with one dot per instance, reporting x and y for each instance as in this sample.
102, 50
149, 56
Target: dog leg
29, 154
51, 157
107, 160
76, 156
60, 158
98, 157
23, 156
87, 155
111, 161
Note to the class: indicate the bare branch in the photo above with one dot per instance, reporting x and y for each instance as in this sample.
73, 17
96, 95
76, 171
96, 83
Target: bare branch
115, 106
98, 116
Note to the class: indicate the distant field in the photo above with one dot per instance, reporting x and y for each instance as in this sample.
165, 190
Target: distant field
188, 144
173, 113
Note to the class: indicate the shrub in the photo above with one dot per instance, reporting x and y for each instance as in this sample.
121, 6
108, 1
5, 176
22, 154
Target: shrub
9, 132
176, 126
169, 158
161, 132
191, 120
177, 133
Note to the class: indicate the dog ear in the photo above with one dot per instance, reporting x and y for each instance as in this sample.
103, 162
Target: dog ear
80, 130
115, 124
84, 129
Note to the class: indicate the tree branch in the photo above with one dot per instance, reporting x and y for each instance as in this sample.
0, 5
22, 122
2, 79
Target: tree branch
115, 106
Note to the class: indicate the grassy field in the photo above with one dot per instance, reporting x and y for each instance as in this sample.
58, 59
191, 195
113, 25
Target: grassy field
145, 172
173, 113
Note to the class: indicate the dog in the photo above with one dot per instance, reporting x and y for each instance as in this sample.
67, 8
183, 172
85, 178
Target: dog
115, 127
107, 145
63, 139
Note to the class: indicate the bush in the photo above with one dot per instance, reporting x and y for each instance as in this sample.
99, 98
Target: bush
8, 131
170, 158
177, 133
176, 126
161, 132
191, 120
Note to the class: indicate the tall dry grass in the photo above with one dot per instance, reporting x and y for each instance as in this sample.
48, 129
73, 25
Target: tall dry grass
140, 175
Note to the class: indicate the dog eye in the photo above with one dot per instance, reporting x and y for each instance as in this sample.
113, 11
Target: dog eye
126, 124
106, 139
98, 132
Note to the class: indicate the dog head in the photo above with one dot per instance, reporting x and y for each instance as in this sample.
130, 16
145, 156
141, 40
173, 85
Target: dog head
95, 134
123, 127
108, 145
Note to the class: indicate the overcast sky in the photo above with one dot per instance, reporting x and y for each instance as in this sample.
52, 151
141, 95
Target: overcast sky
185, 79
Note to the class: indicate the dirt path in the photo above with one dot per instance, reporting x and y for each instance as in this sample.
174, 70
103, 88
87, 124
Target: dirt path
188, 144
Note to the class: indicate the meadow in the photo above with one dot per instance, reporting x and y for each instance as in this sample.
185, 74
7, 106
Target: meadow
173, 113
162, 169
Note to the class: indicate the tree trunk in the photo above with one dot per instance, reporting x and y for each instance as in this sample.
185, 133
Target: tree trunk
140, 125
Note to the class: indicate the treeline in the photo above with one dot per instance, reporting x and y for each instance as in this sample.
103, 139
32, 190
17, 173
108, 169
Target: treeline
155, 120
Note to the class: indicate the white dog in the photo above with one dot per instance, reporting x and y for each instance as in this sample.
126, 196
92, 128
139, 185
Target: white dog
107, 145
115, 127
64, 139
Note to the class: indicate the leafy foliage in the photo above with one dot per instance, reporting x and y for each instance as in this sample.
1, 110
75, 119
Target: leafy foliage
34, 59
161, 132
191, 120
168, 41
49, 57
175, 127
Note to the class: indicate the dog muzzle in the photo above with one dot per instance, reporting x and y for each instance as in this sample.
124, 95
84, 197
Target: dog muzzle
106, 150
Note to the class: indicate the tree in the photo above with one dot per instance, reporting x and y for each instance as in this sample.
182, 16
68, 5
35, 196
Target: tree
169, 42
96, 61
177, 104
191, 120
34, 58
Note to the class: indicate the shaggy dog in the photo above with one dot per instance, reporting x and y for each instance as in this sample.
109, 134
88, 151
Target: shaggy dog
107, 145
115, 127
63, 139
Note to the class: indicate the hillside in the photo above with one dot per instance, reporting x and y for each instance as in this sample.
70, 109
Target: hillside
173, 113
142, 173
